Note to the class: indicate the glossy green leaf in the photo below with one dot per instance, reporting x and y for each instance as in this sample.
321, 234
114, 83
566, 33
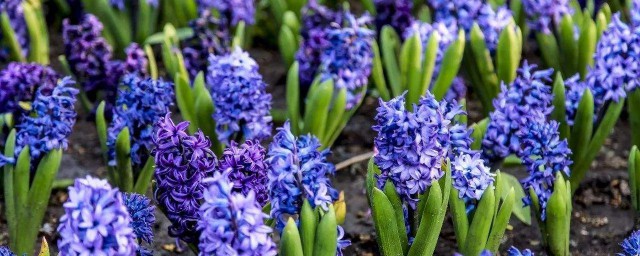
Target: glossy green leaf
153, 65
377, 73
449, 66
238, 37
396, 202
479, 129
204, 110
290, 20
185, 100
315, 117
411, 68
38, 48
21, 177
145, 177
521, 212
633, 108
288, 44
559, 105
429, 61
123, 160
180, 34
459, 217
336, 112
387, 233
327, 234
8, 188
568, 46
549, 49
308, 224
101, 127
10, 39
389, 44
557, 217
480, 225
506, 64
293, 98
290, 243
485, 69
634, 177
586, 45
501, 221
582, 127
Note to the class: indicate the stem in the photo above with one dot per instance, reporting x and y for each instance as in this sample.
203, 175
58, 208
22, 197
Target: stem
353, 160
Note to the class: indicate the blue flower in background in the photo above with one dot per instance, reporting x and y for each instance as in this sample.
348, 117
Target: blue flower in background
233, 11
544, 15
19, 82
298, 171
15, 13
5, 251
209, 37
396, 13
95, 221
141, 103
631, 245
242, 105
516, 252
142, 215
232, 223
574, 89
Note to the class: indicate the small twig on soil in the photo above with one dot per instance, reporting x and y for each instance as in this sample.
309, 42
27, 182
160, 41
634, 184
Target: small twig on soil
356, 159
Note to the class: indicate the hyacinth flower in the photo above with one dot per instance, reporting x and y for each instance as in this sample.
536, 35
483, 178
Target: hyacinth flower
330, 77
299, 186
232, 223
517, 252
631, 245
126, 140
480, 209
32, 156
24, 35
409, 179
96, 221
248, 169
182, 163
566, 36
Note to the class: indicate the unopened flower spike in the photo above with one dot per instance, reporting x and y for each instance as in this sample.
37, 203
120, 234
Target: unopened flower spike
232, 223
241, 102
96, 221
182, 163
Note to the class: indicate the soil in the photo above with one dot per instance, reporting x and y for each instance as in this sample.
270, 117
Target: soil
602, 215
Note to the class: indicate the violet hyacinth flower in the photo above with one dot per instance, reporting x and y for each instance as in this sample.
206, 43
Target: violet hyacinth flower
121, 5
247, 169
87, 52
136, 62
182, 163
19, 82
616, 63
470, 176
209, 37
298, 171
516, 252
96, 221
49, 123
141, 103
348, 57
544, 15
15, 13
142, 216
544, 154
5, 251
574, 88
527, 99
232, 223
412, 164
458, 90
316, 22
233, 11
242, 105
631, 245
396, 13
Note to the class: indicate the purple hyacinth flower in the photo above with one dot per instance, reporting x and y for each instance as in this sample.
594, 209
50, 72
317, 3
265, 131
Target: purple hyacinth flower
121, 5
247, 169
5, 251
298, 171
19, 82
635, 13
50, 121
95, 221
316, 22
141, 103
88, 53
15, 13
470, 176
141, 212
574, 90
413, 164
182, 163
616, 63
544, 15
348, 57
544, 155
242, 105
233, 11
209, 37
232, 223
396, 13
458, 90
516, 252
527, 99
631, 245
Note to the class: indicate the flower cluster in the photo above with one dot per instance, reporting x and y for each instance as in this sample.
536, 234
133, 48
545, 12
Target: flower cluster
140, 104
396, 13
298, 171
574, 89
348, 57
182, 163
247, 169
96, 221
544, 155
19, 83
458, 90
516, 252
635, 13
233, 11
15, 13
135, 63
316, 22
544, 15
242, 104
527, 99
615, 71
209, 37
470, 176
232, 223
142, 215
87, 52
412, 145
5, 251
49, 123
631, 245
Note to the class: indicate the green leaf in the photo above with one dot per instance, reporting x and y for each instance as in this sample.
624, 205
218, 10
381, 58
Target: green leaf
180, 34
288, 44
396, 202
521, 212
586, 45
633, 108
278, 8
8, 186
480, 225
145, 177
601, 25
479, 129
290, 20
238, 36
204, 110
559, 108
377, 73
371, 181
389, 43
327, 234
506, 62
482, 58
336, 112
557, 217
385, 224
501, 221
308, 224
39, 43
293, 97
411, 67
317, 108
549, 48
459, 217
290, 244
123, 158
185, 99
582, 127
568, 46
101, 127
10, 39
429, 61
21, 180
369, 6
144, 21
153, 66
634, 177
449, 66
